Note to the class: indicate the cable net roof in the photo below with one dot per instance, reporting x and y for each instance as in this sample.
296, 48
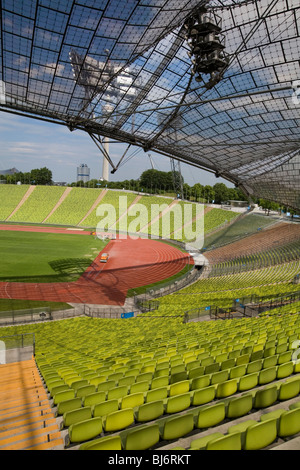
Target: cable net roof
122, 69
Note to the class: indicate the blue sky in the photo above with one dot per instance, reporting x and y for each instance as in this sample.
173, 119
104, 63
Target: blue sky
28, 143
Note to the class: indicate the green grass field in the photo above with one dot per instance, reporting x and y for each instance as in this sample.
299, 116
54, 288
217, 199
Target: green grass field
45, 257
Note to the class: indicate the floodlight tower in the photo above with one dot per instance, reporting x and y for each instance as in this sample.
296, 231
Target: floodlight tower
94, 76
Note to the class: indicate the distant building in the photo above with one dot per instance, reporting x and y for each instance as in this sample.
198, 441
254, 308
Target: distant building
11, 171
83, 173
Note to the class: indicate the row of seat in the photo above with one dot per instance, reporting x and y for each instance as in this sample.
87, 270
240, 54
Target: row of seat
196, 391
143, 437
89, 383
252, 434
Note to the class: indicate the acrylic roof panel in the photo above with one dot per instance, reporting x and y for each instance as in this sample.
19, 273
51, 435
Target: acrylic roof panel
120, 68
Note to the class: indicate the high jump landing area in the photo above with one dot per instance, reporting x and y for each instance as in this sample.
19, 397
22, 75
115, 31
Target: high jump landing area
132, 263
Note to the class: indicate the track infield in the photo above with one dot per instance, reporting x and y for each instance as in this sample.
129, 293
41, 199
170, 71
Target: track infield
132, 263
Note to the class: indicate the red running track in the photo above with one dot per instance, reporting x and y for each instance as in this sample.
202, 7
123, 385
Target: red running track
132, 263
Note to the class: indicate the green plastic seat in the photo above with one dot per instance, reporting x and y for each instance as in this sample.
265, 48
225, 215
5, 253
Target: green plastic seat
94, 398
237, 371
228, 364
142, 438
266, 397
105, 386
117, 392
68, 405
128, 380
241, 427
104, 408
289, 390
225, 389
133, 400
64, 395
272, 415
156, 394
75, 416
179, 377
200, 382
254, 366
260, 435
118, 420
295, 405
140, 387
150, 411
196, 372
239, 406
256, 355
81, 392
159, 382
144, 377
218, 377
211, 415
243, 359
211, 368
199, 444
97, 380
85, 430
269, 351
103, 443
178, 403
79, 383
59, 388
231, 441
247, 382
284, 357
177, 426
267, 375
285, 370
179, 388
270, 361
204, 395
289, 423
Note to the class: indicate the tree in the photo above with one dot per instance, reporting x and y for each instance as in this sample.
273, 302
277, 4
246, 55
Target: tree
157, 180
221, 193
208, 193
42, 176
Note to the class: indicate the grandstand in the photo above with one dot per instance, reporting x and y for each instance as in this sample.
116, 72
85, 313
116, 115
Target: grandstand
202, 359
188, 381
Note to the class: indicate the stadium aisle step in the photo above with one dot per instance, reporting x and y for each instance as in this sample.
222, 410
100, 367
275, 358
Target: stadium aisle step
27, 421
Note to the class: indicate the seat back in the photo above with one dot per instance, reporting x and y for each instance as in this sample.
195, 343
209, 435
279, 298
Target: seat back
118, 420
150, 411
204, 395
176, 427
75, 416
228, 442
289, 423
142, 438
104, 408
85, 430
211, 415
178, 403
266, 397
239, 406
179, 388
94, 398
103, 443
260, 435
132, 400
